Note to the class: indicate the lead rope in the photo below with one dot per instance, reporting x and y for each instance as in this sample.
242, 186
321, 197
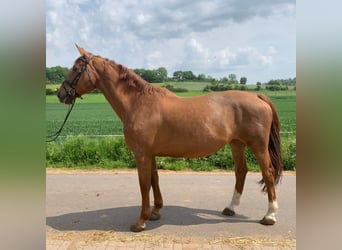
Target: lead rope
51, 138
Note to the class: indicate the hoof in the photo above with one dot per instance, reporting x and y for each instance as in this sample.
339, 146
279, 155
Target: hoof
228, 212
155, 216
136, 228
267, 221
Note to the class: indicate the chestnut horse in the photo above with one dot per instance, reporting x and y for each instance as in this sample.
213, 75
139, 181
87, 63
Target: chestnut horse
158, 123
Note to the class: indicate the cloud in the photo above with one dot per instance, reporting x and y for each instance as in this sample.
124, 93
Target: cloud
173, 19
153, 19
210, 37
197, 57
154, 60
266, 60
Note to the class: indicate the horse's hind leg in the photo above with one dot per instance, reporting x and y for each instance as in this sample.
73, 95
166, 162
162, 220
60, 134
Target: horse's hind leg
264, 161
238, 152
158, 200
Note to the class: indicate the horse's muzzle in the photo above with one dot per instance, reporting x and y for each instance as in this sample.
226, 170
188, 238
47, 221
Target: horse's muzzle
65, 97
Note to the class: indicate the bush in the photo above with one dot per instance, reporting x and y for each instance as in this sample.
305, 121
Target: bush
80, 152
276, 87
240, 87
217, 87
84, 152
50, 92
175, 89
289, 154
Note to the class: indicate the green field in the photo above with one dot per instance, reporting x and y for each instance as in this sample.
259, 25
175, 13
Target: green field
94, 116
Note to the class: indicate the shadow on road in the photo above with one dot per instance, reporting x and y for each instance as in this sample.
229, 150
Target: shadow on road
119, 219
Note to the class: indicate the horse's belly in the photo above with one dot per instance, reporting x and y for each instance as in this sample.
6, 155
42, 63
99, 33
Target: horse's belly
189, 149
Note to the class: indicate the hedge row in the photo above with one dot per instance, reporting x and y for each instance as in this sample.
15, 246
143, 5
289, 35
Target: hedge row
81, 152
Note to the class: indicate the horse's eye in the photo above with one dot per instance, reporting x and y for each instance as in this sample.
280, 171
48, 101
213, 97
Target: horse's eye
74, 68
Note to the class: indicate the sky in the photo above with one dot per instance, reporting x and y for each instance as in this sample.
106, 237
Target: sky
251, 38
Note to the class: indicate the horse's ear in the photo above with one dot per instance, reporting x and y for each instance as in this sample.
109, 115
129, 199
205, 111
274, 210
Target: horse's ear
82, 51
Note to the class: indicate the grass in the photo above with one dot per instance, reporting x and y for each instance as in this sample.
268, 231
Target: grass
85, 119
111, 152
81, 144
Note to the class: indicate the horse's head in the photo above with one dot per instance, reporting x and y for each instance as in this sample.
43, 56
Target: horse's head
80, 80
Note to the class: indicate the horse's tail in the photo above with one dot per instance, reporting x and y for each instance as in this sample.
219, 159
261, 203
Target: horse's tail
274, 146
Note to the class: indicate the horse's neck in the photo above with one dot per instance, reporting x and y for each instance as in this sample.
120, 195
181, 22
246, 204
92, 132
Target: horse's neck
117, 96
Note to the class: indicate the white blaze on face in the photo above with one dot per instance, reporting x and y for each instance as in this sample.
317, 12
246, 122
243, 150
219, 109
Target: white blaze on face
235, 200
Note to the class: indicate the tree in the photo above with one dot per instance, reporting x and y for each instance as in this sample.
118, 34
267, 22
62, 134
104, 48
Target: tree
275, 85
161, 74
154, 75
139, 72
274, 82
150, 75
243, 80
178, 75
258, 86
188, 75
224, 80
232, 79
210, 79
201, 77
56, 74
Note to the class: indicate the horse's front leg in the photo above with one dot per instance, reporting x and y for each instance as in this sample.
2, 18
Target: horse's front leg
158, 200
144, 164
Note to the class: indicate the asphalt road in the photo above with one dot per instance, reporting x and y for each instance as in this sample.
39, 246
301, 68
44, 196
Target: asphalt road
193, 202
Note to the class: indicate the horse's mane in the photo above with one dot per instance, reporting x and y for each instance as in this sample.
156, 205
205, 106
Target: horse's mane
135, 81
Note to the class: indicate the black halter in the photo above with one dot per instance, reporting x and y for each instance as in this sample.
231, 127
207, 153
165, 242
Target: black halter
72, 91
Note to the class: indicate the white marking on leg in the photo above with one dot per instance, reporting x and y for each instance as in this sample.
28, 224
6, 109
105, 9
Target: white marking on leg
235, 200
272, 210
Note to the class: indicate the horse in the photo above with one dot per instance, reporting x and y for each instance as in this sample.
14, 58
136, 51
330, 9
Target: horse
156, 122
